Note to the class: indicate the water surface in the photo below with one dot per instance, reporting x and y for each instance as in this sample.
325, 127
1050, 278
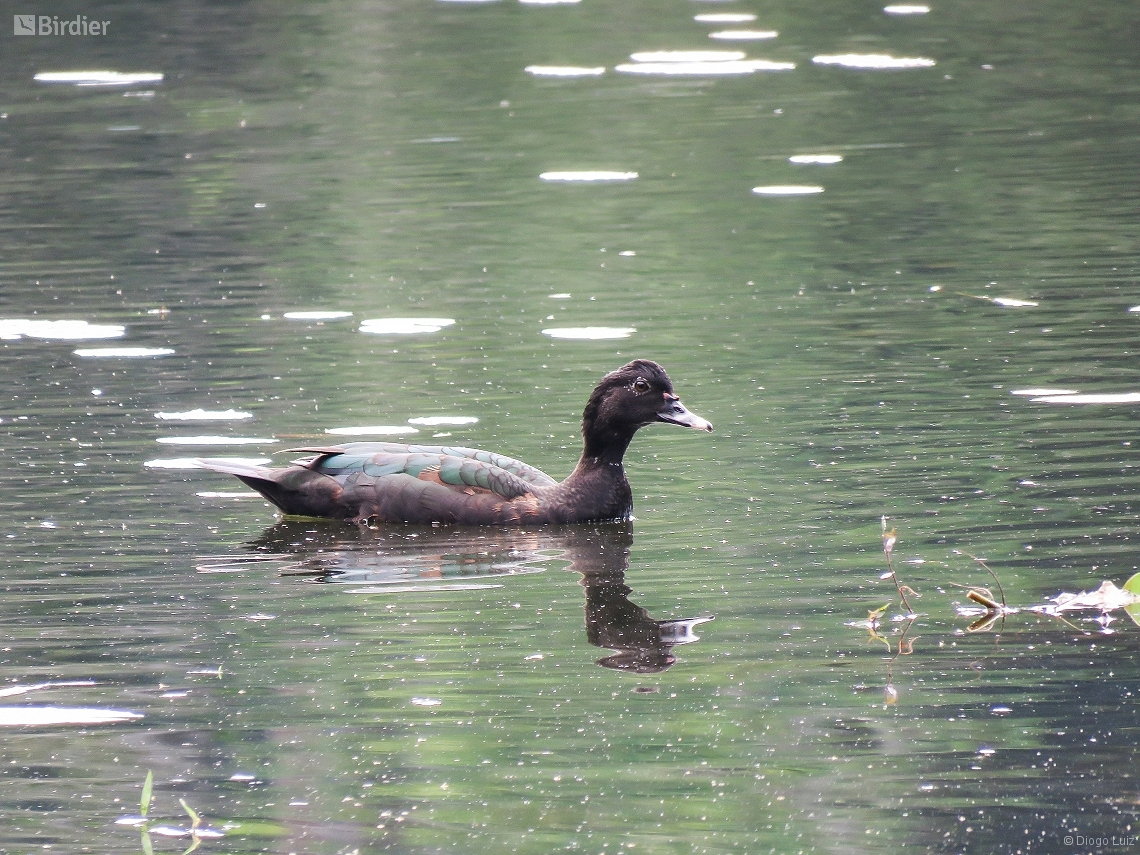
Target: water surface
333, 218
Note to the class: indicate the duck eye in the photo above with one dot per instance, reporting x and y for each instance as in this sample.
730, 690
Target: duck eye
640, 385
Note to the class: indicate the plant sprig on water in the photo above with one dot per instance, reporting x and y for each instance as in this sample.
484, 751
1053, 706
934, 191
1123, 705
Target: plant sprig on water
196, 832
890, 538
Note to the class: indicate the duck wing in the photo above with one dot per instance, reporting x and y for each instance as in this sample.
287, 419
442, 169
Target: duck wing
425, 486
480, 465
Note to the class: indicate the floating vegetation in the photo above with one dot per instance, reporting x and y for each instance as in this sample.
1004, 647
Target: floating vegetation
872, 61
589, 332
1104, 600
197, 832
874, 622
13, 329
404, 326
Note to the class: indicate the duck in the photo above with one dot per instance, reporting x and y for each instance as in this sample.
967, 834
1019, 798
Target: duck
367, 483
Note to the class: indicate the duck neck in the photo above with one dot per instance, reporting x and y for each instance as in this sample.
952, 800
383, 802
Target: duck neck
604, 449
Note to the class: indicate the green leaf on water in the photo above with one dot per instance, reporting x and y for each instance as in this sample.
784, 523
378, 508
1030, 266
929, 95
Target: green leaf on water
148, 786
1132, 586
194, 818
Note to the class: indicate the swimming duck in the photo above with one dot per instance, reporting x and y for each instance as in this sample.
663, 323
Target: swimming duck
387, 482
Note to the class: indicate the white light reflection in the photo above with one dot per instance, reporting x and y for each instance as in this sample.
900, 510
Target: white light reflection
703, 68
372, 430
872, 60
588, 175
13, 329
788, 190
123, 352
594, 333
195, 463
200, 415
39, 716
815, 158
743, 35
404, 326
98, 78
215, 440
725, 18
434, 421
1010, 302
1107, 398
687, 55
564, 70
316, 316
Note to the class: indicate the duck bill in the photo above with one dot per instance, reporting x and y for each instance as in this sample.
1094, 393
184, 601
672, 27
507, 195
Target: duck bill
675, 413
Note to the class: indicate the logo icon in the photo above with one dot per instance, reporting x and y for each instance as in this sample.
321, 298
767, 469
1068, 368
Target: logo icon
24, 25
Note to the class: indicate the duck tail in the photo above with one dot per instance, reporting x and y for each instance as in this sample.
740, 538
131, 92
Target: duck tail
295, 490
233, 467
252, 475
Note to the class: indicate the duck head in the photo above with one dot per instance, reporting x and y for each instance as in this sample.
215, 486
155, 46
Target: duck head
633, 396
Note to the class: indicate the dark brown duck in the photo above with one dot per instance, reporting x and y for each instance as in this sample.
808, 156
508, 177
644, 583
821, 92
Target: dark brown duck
389, 482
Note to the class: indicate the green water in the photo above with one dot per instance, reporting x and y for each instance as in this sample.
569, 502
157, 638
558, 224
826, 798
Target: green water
309, 687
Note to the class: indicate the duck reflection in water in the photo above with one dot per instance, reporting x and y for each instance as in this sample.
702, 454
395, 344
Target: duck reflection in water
398, 558
641, 643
